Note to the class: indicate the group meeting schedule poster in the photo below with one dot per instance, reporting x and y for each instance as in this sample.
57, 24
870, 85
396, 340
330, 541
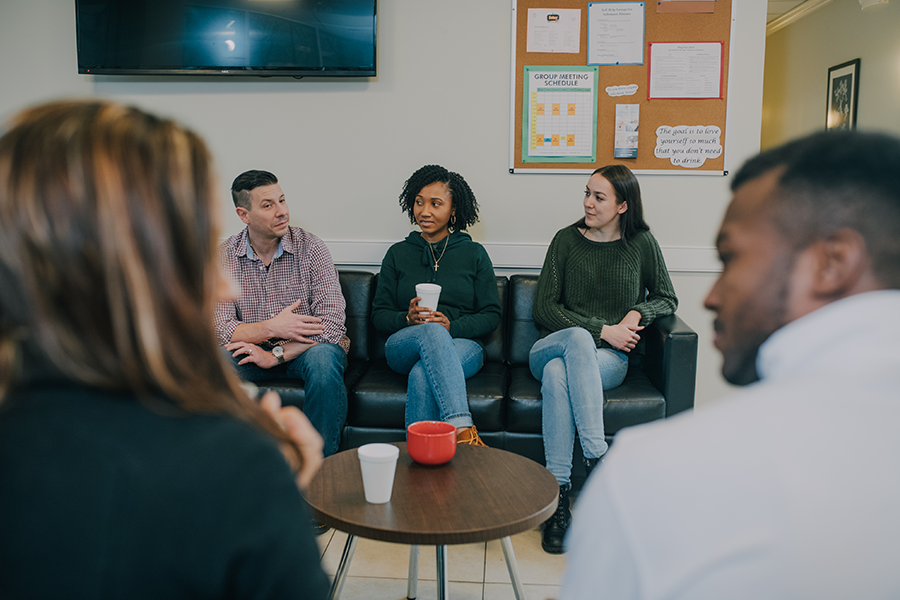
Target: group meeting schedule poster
560, 110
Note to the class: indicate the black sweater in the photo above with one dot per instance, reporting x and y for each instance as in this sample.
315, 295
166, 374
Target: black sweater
106, 496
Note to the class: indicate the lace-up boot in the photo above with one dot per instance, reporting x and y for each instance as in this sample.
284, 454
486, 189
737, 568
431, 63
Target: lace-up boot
469, 436
556, 526
589, 464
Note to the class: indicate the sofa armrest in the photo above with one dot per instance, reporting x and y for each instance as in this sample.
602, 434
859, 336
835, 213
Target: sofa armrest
670, 361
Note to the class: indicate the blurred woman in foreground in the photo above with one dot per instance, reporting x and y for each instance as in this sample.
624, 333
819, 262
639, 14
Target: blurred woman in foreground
132, 464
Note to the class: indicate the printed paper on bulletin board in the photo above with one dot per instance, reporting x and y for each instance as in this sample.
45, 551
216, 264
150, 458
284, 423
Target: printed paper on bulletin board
666, 126
560, 114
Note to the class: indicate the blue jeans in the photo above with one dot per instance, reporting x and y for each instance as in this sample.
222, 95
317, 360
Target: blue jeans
438, 366
321, 368
573, 373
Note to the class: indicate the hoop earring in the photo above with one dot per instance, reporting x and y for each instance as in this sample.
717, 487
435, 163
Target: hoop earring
452, 220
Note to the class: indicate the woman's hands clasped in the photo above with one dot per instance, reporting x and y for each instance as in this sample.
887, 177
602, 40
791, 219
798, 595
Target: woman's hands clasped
416, 315
623, 336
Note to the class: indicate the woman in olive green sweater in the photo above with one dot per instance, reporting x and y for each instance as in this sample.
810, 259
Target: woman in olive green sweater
437, 346
603, 281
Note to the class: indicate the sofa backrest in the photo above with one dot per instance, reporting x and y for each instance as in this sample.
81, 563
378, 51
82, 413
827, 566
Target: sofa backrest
358, 288
494, 342
522, 331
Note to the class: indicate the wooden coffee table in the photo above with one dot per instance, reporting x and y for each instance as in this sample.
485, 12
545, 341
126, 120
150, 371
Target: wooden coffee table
482, 494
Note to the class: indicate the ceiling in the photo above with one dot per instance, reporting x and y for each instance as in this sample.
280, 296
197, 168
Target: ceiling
776, 8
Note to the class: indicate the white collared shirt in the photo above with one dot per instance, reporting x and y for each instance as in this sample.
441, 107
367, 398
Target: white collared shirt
789, 489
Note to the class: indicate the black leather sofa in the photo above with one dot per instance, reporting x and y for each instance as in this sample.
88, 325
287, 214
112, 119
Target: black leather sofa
504, 398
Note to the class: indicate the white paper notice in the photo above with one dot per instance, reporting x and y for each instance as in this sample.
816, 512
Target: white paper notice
615, 33
688, 146
622, 90
627, 120
554, 30
686, 70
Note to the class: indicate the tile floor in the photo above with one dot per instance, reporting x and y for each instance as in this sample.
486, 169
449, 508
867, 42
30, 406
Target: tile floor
378, 570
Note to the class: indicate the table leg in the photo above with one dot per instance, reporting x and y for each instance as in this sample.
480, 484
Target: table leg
413, 579
513, 568
443, 578
341, 576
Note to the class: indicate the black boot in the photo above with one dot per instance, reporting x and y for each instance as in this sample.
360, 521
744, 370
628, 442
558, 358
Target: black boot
589, 464
555, 527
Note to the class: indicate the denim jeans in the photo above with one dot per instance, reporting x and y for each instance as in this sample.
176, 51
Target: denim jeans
321, 368
438, 366
573, 373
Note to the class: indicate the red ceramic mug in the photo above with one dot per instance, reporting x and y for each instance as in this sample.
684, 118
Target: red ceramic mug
431, 442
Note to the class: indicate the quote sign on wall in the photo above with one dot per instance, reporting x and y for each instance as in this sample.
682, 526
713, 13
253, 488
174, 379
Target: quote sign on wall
688, 146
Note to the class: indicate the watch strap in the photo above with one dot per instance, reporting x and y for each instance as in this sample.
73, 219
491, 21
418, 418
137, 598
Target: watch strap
279, 355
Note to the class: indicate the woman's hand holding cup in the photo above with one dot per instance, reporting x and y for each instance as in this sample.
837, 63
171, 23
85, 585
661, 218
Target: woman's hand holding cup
439, 317
416, 315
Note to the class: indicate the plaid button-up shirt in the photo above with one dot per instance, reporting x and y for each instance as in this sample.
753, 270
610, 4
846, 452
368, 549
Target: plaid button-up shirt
301, 268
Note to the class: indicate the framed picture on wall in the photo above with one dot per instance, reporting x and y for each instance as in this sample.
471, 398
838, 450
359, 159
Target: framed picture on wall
843, 92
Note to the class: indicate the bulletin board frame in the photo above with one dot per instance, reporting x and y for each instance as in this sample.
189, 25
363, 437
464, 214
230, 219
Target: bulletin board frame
703, 115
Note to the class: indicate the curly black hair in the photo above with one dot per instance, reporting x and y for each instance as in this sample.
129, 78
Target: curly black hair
461, 195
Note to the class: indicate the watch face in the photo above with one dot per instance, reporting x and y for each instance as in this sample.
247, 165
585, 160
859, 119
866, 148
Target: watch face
278, 351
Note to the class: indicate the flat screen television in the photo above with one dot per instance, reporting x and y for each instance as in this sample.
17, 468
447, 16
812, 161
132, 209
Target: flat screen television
293, 38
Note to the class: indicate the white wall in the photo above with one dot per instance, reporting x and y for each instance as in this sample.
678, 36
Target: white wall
798, 58
342, 149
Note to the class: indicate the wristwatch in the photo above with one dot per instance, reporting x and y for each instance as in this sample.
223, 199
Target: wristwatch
278, 351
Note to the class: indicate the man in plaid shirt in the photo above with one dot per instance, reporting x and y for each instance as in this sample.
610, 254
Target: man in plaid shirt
288, 320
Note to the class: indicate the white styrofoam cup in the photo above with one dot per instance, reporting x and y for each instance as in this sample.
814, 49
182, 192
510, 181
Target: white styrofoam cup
378, 463
430, 294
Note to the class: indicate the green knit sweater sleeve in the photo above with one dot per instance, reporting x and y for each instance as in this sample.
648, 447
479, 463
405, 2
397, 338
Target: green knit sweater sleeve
590, 284
549, 311
387, 317
485, 315
661, 299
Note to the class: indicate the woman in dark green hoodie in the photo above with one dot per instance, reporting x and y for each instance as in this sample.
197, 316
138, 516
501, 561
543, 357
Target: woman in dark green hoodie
437, 347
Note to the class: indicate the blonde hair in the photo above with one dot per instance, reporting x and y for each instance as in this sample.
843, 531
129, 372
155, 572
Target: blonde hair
108, 233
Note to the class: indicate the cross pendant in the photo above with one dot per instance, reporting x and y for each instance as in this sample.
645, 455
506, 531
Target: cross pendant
435, 268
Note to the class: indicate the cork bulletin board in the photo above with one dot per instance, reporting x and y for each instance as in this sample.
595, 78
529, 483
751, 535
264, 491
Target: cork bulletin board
684, 135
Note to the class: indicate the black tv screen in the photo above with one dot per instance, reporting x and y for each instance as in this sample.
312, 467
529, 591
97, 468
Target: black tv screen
226, 37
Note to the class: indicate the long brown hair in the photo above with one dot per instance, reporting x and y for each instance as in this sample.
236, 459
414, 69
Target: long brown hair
108, 231
627, 189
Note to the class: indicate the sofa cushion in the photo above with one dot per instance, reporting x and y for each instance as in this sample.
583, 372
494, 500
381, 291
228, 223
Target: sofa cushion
495, 341
522, 332
634, 402
379, 398
292, 392
358, 288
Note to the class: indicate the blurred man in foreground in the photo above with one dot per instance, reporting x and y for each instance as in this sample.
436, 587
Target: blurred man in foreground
788, 489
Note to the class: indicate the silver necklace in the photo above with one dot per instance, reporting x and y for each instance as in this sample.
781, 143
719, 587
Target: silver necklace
438, 259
